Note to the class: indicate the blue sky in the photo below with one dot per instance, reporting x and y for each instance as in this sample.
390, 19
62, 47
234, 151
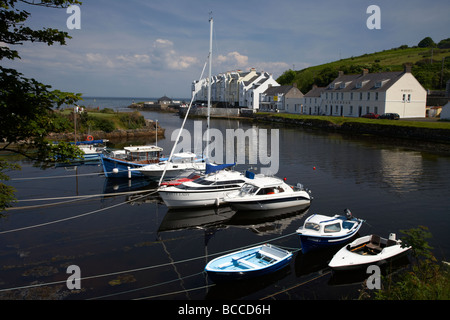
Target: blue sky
151, 48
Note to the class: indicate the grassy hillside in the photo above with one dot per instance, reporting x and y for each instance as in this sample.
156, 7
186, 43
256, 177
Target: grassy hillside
426, 67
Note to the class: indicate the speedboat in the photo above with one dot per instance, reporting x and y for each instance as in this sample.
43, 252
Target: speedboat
248, 263
181, 164
121, 163
320, 231
368, 250
209, 190
268, 193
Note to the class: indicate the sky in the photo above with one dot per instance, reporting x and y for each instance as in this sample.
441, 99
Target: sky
152, 48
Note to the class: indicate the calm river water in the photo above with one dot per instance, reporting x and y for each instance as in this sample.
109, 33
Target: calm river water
131, 247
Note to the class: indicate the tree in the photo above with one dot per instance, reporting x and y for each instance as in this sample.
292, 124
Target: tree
426, 43
26, 105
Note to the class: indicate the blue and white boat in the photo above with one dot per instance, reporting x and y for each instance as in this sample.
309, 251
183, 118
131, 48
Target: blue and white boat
248, 263
124, 163
92, 149
319, 231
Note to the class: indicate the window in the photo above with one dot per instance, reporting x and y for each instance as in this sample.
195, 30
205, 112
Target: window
351, 96
312, 226
409, 98
342, 96
376, 95
360, 96
367, 109
375, 110
368, 95
404, 98
351, 110
335, 227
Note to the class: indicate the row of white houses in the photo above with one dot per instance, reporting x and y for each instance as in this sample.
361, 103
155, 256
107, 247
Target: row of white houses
348, 95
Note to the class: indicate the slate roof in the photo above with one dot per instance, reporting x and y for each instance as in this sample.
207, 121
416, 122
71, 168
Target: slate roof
364, 82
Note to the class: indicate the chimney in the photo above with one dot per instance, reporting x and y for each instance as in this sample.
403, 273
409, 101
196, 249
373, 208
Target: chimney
294, 84
365, 71
407, 67
341, 73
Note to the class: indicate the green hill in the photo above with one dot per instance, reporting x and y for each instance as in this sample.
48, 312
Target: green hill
431, 67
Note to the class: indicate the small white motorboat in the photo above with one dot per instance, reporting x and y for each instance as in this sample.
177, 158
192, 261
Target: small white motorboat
320, 231
248, 263
368, 250
208, 190
183, 163
268, 193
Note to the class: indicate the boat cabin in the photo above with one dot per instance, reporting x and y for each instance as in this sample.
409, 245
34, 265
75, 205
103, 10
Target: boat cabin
268, 186
138, 154
324, 224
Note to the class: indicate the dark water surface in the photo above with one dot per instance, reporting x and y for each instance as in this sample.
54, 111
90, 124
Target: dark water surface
131, 247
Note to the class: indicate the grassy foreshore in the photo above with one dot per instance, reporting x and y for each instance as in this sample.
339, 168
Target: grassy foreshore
429, 131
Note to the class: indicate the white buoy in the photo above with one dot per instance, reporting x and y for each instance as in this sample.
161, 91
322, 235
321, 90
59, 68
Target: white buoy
115, 171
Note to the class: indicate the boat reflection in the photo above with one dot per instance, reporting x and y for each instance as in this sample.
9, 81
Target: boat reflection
268, 221
241, 289
196, 218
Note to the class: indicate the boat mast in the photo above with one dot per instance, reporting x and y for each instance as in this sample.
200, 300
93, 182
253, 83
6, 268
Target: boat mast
209, 86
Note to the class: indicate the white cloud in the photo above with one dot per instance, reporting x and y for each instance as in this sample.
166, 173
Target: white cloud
233, 59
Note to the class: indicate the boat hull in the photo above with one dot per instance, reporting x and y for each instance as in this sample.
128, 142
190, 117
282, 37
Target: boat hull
109, 164
270, 203
346, 259
310, 242
237, 266
188, 199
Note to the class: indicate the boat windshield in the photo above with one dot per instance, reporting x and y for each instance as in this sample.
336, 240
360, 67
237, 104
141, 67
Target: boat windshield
312, 226
248, 189
335, 227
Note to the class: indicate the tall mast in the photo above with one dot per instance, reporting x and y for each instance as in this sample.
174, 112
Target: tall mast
209, 85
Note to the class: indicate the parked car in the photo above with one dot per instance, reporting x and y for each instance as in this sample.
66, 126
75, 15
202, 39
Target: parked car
392, 116
371, 115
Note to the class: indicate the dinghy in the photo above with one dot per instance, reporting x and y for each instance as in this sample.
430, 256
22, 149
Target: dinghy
319, 231
248, 263
367, 250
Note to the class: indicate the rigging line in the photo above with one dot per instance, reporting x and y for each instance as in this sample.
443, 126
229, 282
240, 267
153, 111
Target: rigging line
139, 269
146, 287
58, 177
75, 199
87, 196
67, 219
297, 285
176, 292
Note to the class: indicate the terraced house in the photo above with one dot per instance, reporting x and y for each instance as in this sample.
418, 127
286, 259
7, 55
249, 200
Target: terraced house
235, 88
356, 95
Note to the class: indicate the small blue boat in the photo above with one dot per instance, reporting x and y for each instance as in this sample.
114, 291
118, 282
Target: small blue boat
124, 163
319, 231
248, 263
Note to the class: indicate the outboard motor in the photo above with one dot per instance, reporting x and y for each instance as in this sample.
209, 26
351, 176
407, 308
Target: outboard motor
348, 214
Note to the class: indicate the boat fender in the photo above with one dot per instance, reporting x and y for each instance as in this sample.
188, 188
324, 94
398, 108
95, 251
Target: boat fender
217, 202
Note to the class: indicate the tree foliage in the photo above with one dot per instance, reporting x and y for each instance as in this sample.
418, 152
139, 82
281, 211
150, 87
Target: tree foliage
26, 104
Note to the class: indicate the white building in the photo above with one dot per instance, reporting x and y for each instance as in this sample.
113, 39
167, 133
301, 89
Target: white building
235, 88
312, 101
385, 92
285, 98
